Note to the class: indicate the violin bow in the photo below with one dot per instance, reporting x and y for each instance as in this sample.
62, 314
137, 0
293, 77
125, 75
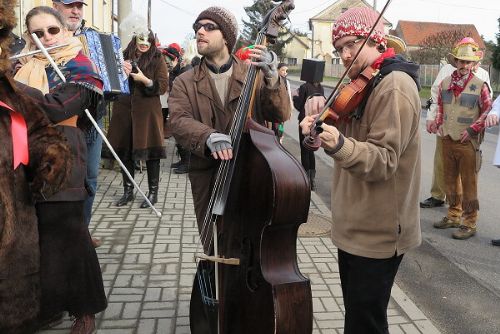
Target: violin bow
94, 123
324, 112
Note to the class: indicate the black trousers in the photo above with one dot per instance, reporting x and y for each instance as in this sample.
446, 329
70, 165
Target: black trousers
307, 157
366, 288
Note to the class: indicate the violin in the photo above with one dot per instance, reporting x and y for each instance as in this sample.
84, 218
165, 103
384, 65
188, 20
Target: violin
344, 98
349, 97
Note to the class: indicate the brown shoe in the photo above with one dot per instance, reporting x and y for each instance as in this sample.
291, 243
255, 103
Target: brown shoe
464, 232
447, 223
96, 242
84, 324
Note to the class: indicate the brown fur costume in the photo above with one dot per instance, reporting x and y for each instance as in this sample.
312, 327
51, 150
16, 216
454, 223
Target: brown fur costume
49, 165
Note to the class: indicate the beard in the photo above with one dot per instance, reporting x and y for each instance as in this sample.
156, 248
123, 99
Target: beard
74, 26
211, 49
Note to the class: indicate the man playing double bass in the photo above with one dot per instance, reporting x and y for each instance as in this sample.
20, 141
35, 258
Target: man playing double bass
376, 175
203, 101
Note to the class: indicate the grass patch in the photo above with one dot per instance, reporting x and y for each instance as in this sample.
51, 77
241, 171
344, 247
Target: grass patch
425, 92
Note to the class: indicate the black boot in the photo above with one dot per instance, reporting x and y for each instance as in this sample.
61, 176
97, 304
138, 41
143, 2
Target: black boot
153, 180
178, 163
182, 166
312, 175
128, 187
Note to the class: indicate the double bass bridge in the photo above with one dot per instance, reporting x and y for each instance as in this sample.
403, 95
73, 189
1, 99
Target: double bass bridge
218, 259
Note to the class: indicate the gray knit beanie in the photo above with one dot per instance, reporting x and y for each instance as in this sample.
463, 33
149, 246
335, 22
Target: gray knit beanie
225, 20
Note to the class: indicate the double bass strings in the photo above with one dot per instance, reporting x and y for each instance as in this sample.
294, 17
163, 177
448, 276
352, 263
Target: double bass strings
226, 166
224, 172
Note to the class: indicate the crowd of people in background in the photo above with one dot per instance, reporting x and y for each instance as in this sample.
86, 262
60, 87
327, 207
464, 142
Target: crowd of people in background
194, 100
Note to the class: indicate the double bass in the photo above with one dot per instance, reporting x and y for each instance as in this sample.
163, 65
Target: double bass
247, 278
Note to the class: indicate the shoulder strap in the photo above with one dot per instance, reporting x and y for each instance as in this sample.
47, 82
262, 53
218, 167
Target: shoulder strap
360, 110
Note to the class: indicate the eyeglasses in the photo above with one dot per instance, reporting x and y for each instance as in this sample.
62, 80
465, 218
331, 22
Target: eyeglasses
51, 30
207, 26
348, 46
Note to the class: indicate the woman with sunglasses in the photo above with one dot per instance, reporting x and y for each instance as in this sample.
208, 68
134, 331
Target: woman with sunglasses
70, 275
136, 127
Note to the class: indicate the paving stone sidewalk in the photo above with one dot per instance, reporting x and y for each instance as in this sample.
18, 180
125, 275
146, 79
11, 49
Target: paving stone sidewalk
148, 264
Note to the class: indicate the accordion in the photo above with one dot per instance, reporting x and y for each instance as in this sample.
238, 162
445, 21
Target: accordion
105, 51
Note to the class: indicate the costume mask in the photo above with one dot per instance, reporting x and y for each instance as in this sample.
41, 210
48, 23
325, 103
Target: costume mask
142, 40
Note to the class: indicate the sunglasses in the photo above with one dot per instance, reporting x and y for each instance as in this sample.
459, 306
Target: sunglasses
207, 26
50, 30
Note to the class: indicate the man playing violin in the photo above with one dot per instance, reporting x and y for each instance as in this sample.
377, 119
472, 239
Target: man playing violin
376, 176
203, 101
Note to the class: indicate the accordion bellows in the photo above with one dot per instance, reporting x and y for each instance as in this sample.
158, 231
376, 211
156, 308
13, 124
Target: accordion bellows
105, 51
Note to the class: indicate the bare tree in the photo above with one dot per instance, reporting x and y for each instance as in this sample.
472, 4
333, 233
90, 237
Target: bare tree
437, 46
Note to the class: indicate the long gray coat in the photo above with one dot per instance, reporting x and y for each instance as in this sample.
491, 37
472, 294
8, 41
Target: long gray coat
136, 127
196, 111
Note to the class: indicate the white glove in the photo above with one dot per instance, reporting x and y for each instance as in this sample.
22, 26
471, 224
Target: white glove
217, 142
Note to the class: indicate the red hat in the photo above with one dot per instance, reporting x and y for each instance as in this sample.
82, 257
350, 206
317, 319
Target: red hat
175, 46
358, 21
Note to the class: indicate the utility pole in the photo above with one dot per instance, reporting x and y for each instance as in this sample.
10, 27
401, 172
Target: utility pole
149, 14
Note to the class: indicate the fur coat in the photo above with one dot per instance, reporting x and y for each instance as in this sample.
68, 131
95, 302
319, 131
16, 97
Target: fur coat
46, 172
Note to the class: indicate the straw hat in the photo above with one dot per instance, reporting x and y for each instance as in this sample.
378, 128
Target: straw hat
396, 43
467, 49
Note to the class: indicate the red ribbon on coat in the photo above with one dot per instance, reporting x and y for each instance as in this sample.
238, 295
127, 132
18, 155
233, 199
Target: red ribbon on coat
19, 132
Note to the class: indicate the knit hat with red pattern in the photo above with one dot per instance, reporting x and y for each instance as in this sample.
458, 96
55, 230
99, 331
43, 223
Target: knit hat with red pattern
358, 21
225, 20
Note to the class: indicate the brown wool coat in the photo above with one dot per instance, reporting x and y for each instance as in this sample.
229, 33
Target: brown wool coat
196, 111
48, 169
137, 118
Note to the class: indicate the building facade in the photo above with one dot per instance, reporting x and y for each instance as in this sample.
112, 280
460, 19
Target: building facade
321, 28
101, 15
296, 50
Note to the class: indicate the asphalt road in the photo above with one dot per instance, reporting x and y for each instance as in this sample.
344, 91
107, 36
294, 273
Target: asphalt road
455, 283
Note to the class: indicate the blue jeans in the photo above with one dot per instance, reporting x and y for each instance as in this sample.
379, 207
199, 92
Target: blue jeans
94, 146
